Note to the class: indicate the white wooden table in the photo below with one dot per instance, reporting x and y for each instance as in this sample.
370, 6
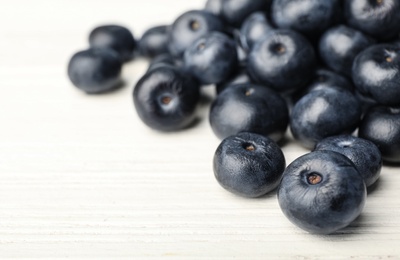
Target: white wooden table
82, 177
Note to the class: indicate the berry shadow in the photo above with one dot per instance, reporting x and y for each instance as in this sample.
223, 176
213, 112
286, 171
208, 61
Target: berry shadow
269, 195
117, 89
374, 187
194, 123
391, 164
356, 228
189, 127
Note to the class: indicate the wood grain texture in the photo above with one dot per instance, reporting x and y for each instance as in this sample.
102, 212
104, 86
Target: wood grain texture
82, 177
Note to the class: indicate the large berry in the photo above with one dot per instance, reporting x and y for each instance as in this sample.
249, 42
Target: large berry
154, 41
212, 58
324, 113
283, 59
248, 164
165, 99
95, 70
339, 46
378, 18
322, 192
115, 37
249, 108
376, 74
381, 125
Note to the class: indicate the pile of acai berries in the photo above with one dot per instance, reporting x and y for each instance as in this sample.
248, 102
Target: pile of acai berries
328, 70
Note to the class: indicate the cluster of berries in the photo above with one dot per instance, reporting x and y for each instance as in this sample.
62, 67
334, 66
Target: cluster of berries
325, 69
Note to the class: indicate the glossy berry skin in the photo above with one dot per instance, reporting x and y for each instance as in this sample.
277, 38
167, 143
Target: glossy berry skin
165, 99
378, 18
95, 70
214, 6
189, 27
242, 53
363, 153
253, 29
339, 46
376, 74
322, 192
324, 113
212, 58
235, 12
248, 164
381, 125
116, 37
283, 59
154, 41
310, 17
249, 108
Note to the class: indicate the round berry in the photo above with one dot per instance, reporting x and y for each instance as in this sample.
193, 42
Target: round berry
324, 113
249, 108
165, 99
248, 164
376, 74
322, 192
378, 18
339, 46
283, 59
212, 58
115, 37
381, 125
95, 70
154, 41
